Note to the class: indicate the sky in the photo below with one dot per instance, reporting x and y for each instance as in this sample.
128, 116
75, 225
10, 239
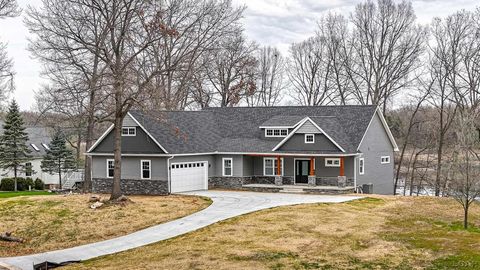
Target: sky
269, 22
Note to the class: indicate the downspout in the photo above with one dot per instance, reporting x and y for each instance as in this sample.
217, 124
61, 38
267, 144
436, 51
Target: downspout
169, 177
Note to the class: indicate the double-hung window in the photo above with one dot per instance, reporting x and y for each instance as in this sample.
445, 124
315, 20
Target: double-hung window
361, 166
28, 169
270, 166
129, 131
146, 167
110, 167
227, 166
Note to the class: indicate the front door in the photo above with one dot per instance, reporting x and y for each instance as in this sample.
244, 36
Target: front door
302, 167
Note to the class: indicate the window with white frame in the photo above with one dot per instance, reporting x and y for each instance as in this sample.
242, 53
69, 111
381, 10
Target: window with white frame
28, 169
227, 169
270, 166
276, 132
129, 131
146, 169
361, 165
309, 138
385, 159
332, 162
110, 167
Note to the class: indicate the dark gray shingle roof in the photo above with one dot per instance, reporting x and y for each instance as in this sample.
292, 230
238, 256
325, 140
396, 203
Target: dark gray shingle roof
237, 129
36, 135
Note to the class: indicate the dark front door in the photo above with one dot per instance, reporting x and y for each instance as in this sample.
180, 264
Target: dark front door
302, 167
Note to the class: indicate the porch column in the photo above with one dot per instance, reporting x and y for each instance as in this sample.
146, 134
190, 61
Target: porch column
342, 179
312, 180
278, 175
342, 166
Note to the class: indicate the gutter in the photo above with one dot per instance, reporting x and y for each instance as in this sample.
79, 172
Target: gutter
169, 177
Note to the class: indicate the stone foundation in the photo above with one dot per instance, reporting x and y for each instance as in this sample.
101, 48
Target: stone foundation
131, 186
237, 182
332, 181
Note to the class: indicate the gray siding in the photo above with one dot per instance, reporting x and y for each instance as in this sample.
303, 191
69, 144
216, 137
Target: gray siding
308, 127
237, 165
131, 167
375, 145
297, 143
139, 144
129, 122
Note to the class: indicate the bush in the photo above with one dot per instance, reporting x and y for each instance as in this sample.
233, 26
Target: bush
8, 184
39, 185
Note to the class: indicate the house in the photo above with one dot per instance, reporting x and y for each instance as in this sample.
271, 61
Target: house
317, 148
38, 143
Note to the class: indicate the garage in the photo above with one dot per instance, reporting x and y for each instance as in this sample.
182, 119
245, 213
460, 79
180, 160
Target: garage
189, 176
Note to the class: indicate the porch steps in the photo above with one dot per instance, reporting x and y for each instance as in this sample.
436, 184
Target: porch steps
291, 190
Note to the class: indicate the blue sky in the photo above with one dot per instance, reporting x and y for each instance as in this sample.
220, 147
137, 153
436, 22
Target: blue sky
269, 22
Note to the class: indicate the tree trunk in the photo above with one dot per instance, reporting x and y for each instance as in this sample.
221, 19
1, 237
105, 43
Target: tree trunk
465, 216
60, 174
439, 165
87, 180
15, 177
117, 145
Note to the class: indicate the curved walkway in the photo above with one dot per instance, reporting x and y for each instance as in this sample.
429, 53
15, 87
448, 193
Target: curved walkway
226, 204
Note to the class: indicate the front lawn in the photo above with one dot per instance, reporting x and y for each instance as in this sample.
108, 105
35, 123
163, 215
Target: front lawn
10, 194
56, 222
373, 233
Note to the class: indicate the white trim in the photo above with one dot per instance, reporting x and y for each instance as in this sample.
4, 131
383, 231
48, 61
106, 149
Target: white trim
387, 160
148, 133
313, 135
295, 168
229, 153
205, 184
274, 171
149, 169
35, 147
108, 160
385, 126
361, 169
223, 166
298, 127
128, 132
273, 133
138, 123
355, 171
333, 162
277, 127
101, 138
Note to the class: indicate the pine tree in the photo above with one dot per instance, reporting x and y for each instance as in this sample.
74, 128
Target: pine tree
14, 151
59, 158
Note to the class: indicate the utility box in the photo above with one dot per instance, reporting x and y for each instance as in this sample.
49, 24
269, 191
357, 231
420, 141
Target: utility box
367, 188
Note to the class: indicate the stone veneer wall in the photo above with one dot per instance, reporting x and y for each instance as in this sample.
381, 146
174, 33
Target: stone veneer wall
131, 187
238, 182
332, 181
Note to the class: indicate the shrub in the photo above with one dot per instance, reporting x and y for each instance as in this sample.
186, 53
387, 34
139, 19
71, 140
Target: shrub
8, 184
39, 185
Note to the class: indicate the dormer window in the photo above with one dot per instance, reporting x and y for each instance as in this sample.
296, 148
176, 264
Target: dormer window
276, 132
129, 131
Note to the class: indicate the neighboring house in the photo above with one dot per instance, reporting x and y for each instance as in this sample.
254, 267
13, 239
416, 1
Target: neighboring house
259, 148
38, 142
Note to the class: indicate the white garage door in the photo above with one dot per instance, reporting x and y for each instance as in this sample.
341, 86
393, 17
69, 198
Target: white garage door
189, 176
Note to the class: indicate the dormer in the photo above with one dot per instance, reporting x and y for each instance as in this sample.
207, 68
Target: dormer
279, 126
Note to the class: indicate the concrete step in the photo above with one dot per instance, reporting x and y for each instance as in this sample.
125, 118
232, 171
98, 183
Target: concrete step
292, 190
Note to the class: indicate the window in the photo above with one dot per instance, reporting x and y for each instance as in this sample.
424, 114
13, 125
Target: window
146, 168
28, 169
385, 159
270, 166
309, 138
276, 132
45, 146
332, 162
227, 166
361, 165
129, 131
110, 167
35, 147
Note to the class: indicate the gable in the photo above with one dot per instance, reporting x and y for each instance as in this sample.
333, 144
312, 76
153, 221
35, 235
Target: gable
308, 127
297, 143
376, 138
140, 143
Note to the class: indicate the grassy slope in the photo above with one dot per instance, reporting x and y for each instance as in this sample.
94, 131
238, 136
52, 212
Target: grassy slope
11, 194
54, 222
374, 233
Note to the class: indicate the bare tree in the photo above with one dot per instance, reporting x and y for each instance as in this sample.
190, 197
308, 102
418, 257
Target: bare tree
464, 184
309, 71
231, 70
387, 44
270, 78
8, 8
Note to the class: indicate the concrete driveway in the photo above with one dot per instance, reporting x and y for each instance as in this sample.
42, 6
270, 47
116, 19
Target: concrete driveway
226, 204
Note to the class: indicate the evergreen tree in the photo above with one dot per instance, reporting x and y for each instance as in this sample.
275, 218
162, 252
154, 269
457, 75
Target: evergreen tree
59, 158
14, 151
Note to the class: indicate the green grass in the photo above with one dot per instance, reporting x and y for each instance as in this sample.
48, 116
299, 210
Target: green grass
11, 194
